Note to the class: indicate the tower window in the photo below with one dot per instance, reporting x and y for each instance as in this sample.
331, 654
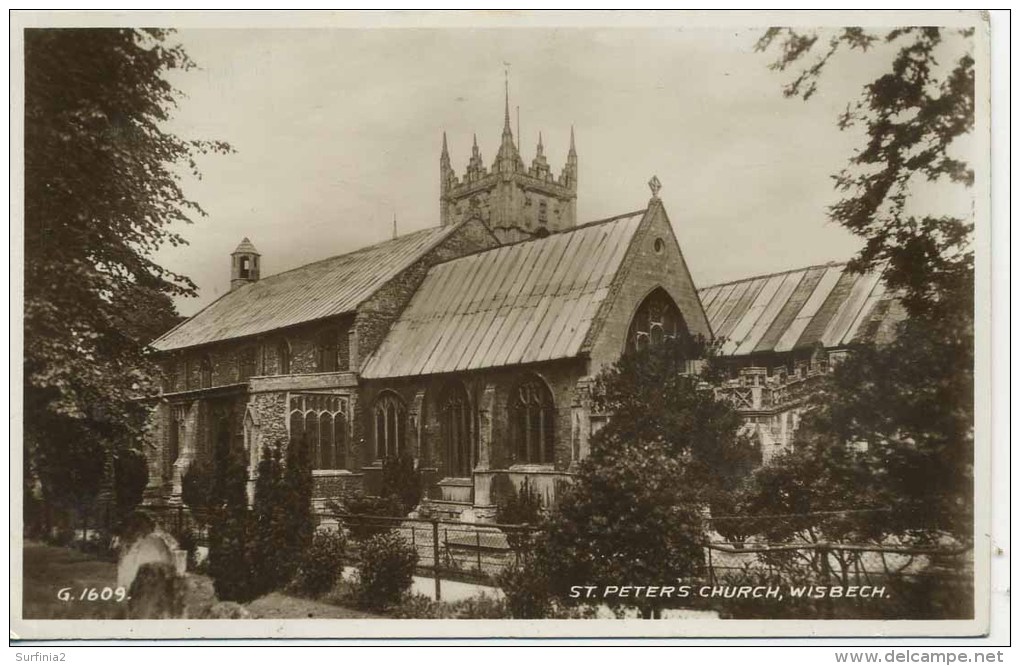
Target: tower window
543, 212
245, 267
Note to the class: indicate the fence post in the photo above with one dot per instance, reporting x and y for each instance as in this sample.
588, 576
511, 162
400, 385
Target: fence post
823, 550
478, 549
180, 522
84, 528
435, 554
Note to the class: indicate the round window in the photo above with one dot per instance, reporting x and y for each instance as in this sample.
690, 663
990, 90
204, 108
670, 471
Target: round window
659, 245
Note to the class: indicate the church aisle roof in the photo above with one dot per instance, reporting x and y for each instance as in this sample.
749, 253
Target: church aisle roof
521, 303
827, 305
321, 289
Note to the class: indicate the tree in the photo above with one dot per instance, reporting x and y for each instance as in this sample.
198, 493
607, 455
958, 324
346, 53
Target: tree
131, 475
635, 510
913, 116
906, 406
281, 517
231, 531
102, 191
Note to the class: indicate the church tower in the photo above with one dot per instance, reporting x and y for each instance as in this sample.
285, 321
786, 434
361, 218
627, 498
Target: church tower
515, 201
244, 265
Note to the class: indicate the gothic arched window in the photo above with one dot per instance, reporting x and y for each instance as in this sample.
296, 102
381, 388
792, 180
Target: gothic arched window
390, 417
283, 358
459, 451
533, 422
657, 319
325, 351
205, 374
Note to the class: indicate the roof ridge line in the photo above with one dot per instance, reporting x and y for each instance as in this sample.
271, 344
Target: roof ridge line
828, 264
347, 254
553, 234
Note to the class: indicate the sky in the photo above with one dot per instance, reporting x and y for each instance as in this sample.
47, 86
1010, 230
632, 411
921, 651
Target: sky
336, 131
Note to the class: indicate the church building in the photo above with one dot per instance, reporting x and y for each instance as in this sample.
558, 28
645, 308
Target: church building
471, 346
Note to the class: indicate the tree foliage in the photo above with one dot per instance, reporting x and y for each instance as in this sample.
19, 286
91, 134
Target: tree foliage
635, 510
913, 116
894, 428
231, 531
102, 191
281, 514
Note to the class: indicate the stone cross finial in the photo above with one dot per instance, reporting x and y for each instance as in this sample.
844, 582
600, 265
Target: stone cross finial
655, 186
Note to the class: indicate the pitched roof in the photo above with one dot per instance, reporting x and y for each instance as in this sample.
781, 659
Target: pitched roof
521, 303
245, 247
322, 289
825, 304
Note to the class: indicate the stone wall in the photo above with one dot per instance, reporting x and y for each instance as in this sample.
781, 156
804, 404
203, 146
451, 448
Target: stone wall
653, 260
378, 313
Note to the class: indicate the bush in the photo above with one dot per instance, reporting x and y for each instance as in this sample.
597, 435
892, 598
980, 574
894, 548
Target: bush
133, 527
322, 564
526, 589
230, 530
522, 507
386, 570
130, 476
198, 484
225, 610
402, 481
362, 526
478, 607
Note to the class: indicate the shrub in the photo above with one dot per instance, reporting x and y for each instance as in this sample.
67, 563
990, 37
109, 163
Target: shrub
130, 476
523, 507
478, 607
362, 526
133, 527
198, 484
401, 480
225, 610
189, 544
230, 529
386, 570
526, 589
322, 564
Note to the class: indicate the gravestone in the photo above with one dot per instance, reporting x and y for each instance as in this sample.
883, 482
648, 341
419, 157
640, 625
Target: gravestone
155, 547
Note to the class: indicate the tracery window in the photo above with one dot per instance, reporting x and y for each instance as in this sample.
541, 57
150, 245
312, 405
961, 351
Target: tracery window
390, 416
319, 421
532, 418
460, 451
656, 319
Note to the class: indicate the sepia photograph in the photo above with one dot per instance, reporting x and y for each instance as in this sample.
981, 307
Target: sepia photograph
599, 324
